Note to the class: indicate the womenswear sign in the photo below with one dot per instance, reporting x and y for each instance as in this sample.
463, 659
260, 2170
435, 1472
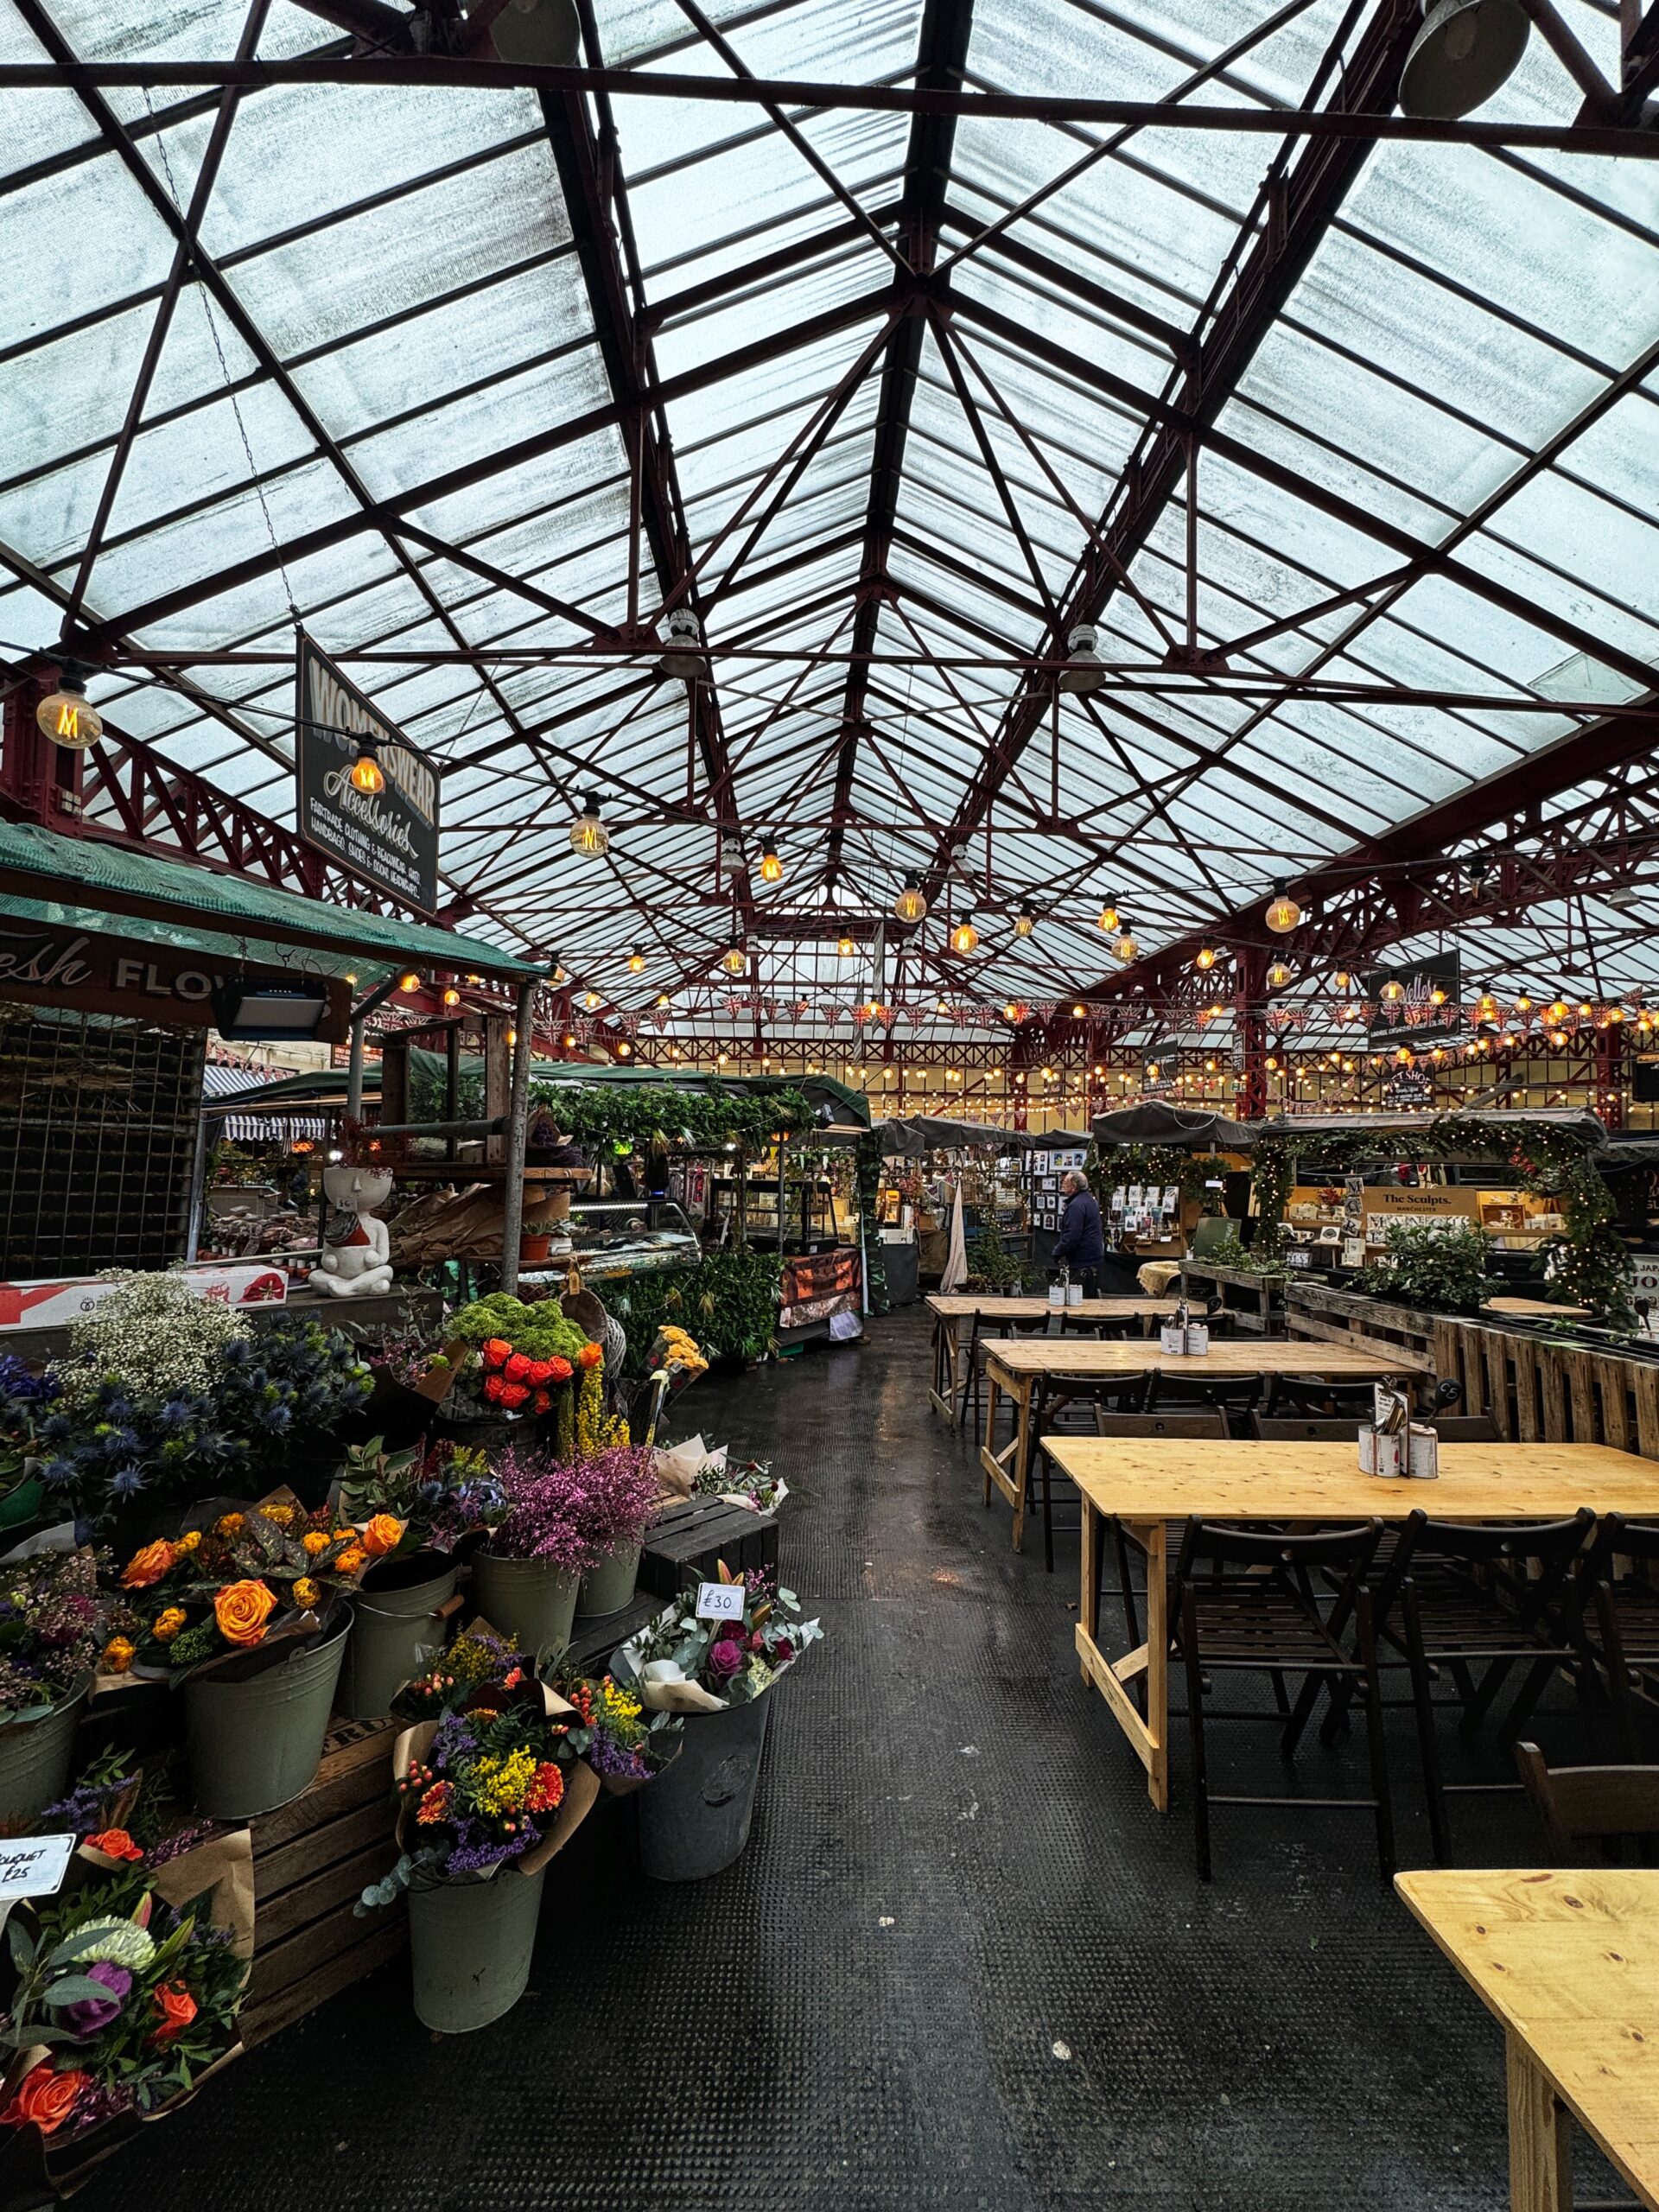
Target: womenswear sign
389, 836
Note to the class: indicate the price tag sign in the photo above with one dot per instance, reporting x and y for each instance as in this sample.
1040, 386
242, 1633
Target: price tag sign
719, 1601
33, 1865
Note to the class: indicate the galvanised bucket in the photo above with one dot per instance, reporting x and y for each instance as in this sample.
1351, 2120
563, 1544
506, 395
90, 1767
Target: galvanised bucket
396, 1635
528, 1599
470, 1942
694, 1817
256, 1745
35, 1757
608, 1583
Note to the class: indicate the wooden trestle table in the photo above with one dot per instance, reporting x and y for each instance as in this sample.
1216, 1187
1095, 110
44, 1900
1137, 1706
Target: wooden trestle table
1145, 1483
1568, 1959
950, 1308
1015, 1365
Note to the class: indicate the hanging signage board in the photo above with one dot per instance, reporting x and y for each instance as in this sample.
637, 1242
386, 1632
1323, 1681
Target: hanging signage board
1414, 1016
49, 965
390, 837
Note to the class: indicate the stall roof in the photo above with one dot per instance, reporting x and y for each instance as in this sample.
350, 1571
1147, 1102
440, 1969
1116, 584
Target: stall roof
95, 885
1386, 1128
1153, 1122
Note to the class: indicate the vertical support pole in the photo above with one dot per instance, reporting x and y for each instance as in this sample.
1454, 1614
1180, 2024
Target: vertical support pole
1250, 1101
354, 1071
451, 1082
198, 1200
394, 1080
497, 1080
512, 1194
783, 1143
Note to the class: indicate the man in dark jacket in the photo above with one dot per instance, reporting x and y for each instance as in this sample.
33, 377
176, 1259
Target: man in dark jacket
1081, 1244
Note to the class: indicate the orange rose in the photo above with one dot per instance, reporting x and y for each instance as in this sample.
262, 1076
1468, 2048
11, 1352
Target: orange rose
592, 1355
177, 2008
349, 1561
315, 1542
242, 1611
115, 1843
383, 1534
148, 1566
46, 2097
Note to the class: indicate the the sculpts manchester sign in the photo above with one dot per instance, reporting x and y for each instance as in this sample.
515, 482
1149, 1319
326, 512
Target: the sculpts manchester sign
389, 836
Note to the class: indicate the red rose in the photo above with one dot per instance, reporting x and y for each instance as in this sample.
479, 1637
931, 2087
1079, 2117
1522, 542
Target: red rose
495, 1351
177, 2008
514, 1396
541, 1370
115, 1843
517, 1369
559, 1370
46, 2097
495, 1390
540, 1402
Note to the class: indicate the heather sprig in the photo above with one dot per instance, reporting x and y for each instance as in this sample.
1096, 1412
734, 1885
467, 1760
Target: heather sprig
53, 1623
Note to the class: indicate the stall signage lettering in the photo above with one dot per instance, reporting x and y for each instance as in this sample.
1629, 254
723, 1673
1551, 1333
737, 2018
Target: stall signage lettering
389, 836
102, 975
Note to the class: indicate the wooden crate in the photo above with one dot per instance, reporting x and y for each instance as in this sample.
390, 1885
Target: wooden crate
311, 1861
684, 1545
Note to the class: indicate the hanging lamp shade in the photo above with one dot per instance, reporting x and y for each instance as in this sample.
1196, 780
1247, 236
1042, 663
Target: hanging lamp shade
1205, 958
1465, 50
682, 639
734, 959
1279, 974
1083, 670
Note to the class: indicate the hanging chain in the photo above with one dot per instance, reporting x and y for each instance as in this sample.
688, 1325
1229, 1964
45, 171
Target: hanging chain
223, 366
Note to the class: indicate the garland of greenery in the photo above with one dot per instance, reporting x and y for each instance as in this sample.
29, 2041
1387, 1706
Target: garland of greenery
1159, 1164
640, 1115
1592, 1266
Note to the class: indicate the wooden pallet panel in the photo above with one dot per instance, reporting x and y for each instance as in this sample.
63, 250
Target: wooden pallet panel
687, 1543
263, 2019
1552, 1382
1496, 1349
1527, 1426
1581, 1397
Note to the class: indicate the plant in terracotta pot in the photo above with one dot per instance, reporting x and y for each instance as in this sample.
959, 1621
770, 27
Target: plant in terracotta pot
55, 1625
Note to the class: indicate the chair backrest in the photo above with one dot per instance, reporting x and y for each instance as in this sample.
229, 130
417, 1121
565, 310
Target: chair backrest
1618, 1537
1466, 1428
1579, 1801
1289, 1431
1309, 1394
1237, 1394
1208, 1423
1208, 1548
1551, 1546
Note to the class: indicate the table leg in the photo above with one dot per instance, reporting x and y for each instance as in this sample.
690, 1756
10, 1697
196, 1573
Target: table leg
1115, 1679
944, 1367
1022, 1456
1541, 2152
988, 1450
1088, 1595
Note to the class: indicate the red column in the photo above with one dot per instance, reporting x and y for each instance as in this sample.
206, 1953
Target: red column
1609, 1099
1250, 1098
39, 781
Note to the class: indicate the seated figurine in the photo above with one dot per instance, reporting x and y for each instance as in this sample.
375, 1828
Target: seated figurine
357, 1261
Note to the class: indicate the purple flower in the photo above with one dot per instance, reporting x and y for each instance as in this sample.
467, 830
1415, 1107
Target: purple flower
90, 2016
725, 1659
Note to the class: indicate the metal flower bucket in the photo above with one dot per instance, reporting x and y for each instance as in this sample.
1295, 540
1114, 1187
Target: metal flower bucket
694, 1819
35, 1757
257, 1744
470, 1944
608, 1583
529, 1599
396, 1635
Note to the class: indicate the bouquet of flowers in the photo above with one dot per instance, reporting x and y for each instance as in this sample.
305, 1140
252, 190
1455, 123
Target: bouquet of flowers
54, 1623
440, 1496
123, 1815
121, 2003
679, 1664
675, 1353
233, 1583
611, 1730
750, 1483
477, 1656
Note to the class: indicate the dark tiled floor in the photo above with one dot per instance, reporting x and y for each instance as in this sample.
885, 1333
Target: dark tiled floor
962, 1962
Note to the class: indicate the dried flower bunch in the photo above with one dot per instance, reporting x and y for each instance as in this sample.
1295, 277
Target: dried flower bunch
131, 1998
232, 1583
571, 1512
153, 1335
54, 1622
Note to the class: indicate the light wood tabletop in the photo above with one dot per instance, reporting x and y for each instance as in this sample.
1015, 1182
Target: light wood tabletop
1145, 1482
1569, 1963
950, 1309
1015, 1366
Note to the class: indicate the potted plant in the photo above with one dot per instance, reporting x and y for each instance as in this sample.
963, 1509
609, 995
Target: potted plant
718, 1671
24, 1397
523, 1361
1433, 1269
406, 1595
528, 1570
480, 1790
246, 1613
54, 1625
613, 1496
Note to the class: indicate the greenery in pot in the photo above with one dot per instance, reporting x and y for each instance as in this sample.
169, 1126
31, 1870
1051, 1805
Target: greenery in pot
730, 1302
1433, 1269
990, 1263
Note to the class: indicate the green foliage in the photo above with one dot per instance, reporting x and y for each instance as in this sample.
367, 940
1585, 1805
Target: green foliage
1228, 1252
728, 1303
539, 1331
640, 1115
869, 1158
1162, 1163
1431, 1269
990, 1261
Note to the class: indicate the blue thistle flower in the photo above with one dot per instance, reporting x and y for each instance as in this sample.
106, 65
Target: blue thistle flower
127, 1481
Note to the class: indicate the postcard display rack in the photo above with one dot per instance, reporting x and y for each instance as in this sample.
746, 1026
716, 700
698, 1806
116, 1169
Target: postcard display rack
1044, 1173
1149, 1212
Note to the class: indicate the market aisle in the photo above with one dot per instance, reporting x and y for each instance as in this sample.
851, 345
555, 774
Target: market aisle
961, 1963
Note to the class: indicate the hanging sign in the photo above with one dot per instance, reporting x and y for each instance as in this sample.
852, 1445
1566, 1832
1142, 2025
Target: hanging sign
1410, 1013
389, 836
49, 965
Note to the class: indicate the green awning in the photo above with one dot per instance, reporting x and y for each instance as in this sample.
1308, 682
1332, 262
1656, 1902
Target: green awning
106, 887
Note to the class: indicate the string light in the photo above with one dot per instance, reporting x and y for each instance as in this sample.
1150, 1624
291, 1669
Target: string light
771, 868
589, 835
911, 905
1023, 922
1283, 913
1205, 958
408, 981
1108, 919
965, 938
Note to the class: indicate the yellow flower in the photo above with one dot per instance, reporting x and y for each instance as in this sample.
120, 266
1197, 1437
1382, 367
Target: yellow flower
345, 1536
349, 1561
188, 1540
316, 1542
501, 1783
230, 1524
166, 1625
118, 1656
282, 1515
305, 1591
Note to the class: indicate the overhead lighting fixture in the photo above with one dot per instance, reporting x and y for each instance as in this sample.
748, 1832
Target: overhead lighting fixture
1023, 922
65, 716
1283, 913
1279, 974
542, 31
451, 996
911, 905
734, 959
245, 1013
965, 938
844, 947
682, 638
366, 774
1126, 949
661, 999
589, 835
771, 868
636, 962
592, 1001
1205, 958
1083, 670
1079, 1012
408, 981
1107, 918
1465, 50
1394, 990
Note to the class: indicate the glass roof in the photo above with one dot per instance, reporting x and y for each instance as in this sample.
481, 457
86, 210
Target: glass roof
400, 382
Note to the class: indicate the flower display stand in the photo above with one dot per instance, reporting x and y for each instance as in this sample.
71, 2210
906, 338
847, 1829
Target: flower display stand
686, 1543
311, 1861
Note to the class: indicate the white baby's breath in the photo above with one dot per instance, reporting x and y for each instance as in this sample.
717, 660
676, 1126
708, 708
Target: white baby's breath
153, 1335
